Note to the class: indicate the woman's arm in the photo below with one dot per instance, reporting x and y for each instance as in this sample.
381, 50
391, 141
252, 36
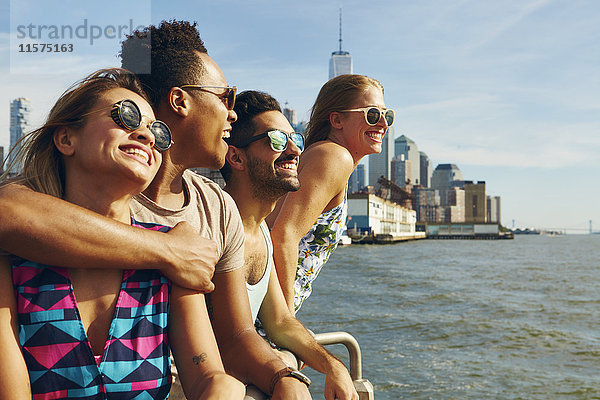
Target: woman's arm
195, 350
323, 173
14, 379
51, 231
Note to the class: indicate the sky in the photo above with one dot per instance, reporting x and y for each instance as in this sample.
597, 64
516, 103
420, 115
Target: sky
508, 91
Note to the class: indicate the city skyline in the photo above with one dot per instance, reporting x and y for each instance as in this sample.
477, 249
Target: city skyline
509, 92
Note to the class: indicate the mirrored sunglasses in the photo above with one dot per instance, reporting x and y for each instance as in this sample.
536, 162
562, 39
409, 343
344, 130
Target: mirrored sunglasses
127, 115
373, 114
277, 139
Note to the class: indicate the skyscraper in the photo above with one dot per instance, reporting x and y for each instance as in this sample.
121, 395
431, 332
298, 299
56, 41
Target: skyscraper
475, 202
380, 163
357, 179
401, 170
405, 146
455, 209
291, 115
443, 178
341, 61
493, 209
426, 169
426, 202
19, 124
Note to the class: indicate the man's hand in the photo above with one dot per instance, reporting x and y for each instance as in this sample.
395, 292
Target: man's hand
289, 388
338, 384
193, 259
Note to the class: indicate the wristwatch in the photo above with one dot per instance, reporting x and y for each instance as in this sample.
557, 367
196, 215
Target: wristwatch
285, 372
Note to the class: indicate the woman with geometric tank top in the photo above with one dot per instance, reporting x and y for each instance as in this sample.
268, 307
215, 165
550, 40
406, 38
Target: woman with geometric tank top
347, 122
68, 333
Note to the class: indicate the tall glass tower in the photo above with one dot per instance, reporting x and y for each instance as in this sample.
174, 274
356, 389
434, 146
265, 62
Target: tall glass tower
380, 163
19, 124
407, 147
341, 61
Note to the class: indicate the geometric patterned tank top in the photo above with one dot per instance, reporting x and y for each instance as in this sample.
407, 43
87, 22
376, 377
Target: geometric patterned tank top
315, 248
135, 362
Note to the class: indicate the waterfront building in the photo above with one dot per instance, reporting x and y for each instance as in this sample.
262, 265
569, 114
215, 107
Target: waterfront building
426, 202
493, 209
443, 178
369, 214
400, 170
380, 163
455, 209
356, 182
19, 125
425, 168
340, 62
466, 231
407, 147
291, 115
475, 202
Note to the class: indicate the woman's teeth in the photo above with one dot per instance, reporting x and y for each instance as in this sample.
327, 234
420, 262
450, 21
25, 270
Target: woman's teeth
375, 136
138, 152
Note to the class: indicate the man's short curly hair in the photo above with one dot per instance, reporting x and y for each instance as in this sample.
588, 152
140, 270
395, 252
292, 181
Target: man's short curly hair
248, 105
164, 57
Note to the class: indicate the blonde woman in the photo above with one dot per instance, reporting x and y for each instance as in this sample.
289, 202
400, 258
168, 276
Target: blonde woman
348, 121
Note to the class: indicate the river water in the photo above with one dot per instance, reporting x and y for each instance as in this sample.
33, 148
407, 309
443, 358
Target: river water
506, 319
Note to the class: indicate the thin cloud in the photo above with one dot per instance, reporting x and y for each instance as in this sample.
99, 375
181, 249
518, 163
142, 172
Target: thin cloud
503, 25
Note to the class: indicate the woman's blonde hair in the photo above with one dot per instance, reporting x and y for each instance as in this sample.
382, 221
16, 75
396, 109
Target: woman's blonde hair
43, 167
339, 93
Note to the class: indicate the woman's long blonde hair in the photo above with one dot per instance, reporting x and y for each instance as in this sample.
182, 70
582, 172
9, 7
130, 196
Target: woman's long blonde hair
43, 167
339, 93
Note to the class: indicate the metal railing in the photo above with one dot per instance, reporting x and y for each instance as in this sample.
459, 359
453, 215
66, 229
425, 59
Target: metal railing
362, 386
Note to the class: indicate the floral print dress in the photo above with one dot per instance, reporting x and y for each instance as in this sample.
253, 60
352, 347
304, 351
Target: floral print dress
316, 247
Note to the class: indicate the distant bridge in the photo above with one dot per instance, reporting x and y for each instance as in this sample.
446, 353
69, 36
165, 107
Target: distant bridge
578, 230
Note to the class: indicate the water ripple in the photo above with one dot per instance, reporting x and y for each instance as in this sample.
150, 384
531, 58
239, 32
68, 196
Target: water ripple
467, 319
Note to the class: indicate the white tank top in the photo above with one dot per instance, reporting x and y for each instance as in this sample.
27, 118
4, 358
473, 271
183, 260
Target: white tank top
258, 291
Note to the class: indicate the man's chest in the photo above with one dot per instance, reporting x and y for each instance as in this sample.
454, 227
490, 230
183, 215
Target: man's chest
256, 259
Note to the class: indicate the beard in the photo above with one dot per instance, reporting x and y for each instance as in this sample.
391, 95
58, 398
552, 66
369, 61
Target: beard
267, 182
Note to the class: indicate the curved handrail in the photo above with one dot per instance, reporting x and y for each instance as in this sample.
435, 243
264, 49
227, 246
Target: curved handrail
351, 345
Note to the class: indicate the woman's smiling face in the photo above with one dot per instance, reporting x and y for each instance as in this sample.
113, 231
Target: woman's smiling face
362, 137
103, 147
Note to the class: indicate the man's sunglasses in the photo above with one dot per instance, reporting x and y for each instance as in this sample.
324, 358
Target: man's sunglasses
127, 115
227, 97
373, 114
277, 139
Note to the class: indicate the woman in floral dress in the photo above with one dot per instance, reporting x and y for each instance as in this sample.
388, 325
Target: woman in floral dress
348, 121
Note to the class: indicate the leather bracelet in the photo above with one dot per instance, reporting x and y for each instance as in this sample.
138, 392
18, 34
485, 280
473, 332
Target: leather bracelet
285, 372
277, 377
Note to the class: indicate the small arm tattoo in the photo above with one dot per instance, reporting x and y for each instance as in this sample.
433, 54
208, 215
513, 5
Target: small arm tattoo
200, 358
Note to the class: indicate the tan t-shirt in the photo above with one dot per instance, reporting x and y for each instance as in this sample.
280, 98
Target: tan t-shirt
211, 212
214, 215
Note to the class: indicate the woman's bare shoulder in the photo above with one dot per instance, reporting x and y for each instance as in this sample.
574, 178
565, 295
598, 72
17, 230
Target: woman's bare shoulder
326, 152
